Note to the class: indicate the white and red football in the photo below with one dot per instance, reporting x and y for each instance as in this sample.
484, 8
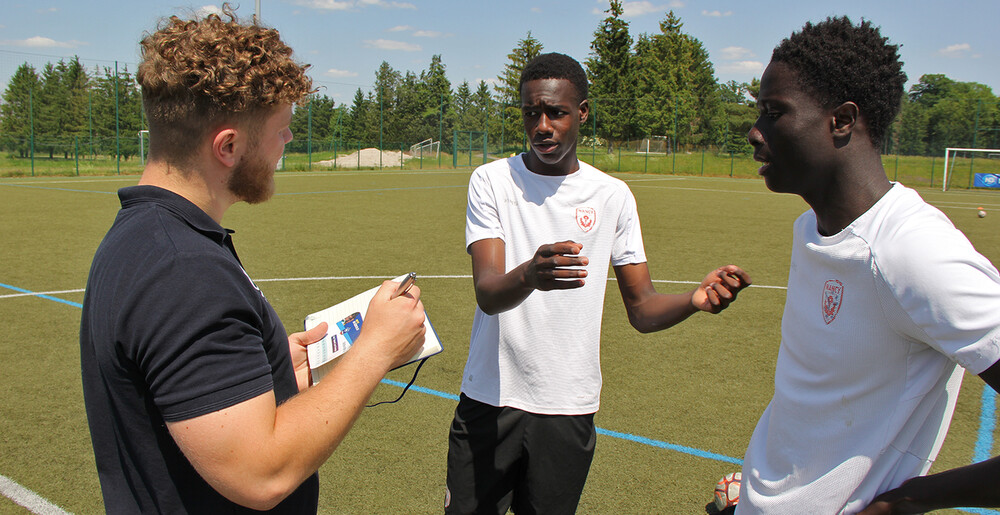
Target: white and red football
727, 490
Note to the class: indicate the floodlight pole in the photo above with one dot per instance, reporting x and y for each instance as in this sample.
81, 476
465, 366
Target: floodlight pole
256, 16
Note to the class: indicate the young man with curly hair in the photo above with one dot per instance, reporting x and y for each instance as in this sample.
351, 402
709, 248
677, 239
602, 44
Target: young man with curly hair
197, 399
542, 229
887, 301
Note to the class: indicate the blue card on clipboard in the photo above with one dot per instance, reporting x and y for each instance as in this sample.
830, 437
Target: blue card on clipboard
344, 321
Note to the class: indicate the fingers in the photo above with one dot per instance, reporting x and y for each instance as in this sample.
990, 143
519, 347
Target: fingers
736, 274
557, 266
563, 247
311, 336
388, 289
720, 288
393, 330
727, 281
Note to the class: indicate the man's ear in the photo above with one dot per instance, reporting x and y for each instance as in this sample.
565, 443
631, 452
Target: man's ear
845, 116
225, 147
584, 110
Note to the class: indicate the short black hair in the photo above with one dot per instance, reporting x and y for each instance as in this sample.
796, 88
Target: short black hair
839, 62
556, 66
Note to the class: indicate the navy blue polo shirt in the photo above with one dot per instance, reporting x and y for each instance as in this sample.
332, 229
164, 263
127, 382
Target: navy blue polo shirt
172, 328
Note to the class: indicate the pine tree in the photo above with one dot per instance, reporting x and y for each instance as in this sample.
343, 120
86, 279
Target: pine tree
677, 86
482, 102
386, 81
310, 124
16, 111
611, 70
50, 104
508, 88
462, 108
406, 125
436, 100
77, 83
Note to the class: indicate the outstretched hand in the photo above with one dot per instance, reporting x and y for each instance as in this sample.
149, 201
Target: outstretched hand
551, 267
719, 288
297, 343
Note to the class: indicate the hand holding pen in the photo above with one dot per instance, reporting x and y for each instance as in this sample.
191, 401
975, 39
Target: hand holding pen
404, 285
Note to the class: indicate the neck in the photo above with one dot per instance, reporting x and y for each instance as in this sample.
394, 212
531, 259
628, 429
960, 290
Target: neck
208, 191
851, 192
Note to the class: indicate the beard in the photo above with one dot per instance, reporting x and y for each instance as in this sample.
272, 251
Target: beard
252, 180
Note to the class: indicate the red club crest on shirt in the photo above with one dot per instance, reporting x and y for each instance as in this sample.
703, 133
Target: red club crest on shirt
586, 217
833, 296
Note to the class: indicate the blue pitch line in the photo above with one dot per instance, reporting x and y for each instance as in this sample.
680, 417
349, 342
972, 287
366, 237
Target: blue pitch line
671, 446
987, 423
983, 448
41, 295
601, 431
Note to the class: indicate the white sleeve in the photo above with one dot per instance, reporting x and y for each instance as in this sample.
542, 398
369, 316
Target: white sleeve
949, 292
482, 220
628, 248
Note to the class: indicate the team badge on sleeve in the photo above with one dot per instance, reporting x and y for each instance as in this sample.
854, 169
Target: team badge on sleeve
833, 295
586, 217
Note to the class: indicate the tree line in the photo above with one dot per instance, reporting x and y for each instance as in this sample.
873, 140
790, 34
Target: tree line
661, 85
65, 109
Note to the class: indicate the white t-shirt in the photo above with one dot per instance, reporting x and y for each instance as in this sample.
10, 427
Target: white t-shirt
543, 356
878, 319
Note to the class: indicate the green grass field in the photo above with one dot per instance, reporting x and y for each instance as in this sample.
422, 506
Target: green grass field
678, 406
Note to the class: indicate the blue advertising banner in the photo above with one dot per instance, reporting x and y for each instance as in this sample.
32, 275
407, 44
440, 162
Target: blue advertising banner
987, 180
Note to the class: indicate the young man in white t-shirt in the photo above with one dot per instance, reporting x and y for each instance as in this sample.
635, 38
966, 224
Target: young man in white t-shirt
887, 300
542, 229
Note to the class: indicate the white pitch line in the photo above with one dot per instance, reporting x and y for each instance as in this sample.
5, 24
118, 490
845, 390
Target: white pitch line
37, 293
350, 277
28, 499
338, 278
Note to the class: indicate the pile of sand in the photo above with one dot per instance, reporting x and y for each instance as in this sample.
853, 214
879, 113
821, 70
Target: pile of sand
368, 158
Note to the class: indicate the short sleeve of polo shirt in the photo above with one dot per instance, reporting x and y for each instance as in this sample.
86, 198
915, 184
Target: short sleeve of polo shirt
482, 220
949, 292
194, 327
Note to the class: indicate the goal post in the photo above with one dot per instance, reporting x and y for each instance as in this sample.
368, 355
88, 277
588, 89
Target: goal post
654, 145
951, 155
143, 135
428, 146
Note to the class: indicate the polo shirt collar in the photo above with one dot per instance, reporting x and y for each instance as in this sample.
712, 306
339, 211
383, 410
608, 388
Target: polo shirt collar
199, 220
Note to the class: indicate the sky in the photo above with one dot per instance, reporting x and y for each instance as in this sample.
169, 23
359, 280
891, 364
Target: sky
345, 41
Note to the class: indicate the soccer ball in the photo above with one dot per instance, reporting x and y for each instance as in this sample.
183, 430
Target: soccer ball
982, 214
727, 490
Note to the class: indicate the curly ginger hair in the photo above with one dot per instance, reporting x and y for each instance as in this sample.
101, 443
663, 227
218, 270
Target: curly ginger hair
198, 74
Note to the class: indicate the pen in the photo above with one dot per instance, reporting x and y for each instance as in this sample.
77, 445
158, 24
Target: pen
404, 285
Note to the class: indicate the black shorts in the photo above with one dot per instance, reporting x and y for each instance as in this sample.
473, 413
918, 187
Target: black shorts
500, 458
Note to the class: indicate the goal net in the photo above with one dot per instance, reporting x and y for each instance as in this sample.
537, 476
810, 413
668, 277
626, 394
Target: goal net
654, 145
426, 147
967, 156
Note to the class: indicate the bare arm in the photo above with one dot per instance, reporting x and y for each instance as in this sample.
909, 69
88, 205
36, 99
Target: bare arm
973, 485
650, 311
256, 454
549, 269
